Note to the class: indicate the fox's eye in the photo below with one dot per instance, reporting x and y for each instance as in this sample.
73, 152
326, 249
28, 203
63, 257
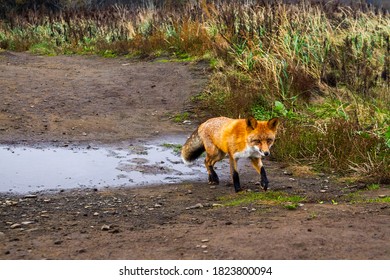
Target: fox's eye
270, 140
256, 141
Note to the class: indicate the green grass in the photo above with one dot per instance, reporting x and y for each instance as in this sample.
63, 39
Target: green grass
43, 49
108, 54
181, 117
270, 198
163, 57
358, 198
363, 196
373, 187
379, 200
175, 147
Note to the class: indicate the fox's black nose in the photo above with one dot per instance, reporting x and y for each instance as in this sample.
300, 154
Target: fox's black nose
266, 154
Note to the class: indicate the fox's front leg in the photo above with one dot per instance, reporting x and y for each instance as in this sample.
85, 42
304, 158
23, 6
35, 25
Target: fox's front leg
264, 180
258, 165
234, 173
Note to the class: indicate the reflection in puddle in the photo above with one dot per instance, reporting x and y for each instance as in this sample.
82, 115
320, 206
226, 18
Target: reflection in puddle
25, 169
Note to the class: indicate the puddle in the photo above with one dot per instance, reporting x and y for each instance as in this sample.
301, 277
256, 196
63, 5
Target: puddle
26, 169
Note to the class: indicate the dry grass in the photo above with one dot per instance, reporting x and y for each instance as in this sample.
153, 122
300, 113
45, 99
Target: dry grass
335, 146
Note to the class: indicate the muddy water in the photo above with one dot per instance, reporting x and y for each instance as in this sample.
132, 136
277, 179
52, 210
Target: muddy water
26, 169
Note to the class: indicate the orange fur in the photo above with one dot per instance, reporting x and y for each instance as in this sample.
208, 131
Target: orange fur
238, 138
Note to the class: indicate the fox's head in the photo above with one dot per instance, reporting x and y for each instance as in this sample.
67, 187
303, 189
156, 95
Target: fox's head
261, 134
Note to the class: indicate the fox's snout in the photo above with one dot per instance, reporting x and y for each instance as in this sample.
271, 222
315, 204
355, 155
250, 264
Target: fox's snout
264, 153
263, 149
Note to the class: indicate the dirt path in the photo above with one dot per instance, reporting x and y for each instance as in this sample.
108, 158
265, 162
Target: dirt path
66, 98
62, 99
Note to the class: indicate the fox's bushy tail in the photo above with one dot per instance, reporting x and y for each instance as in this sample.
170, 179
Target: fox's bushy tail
193, 148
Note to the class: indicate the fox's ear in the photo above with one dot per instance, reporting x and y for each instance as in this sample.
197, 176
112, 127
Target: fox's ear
273, 123
251, 122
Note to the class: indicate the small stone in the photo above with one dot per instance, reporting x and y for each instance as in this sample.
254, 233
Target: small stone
96, 214
157, 205
105, 227
11, 203
196, 206
203, 246
205, 240
322, 191
85, 134
13, 226
382, 196
30, 196
27, 223
217, 205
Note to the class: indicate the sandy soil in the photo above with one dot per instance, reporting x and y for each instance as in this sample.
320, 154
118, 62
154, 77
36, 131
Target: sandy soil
73, 99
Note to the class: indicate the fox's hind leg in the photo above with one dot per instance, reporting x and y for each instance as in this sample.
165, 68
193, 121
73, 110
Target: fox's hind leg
213, 155
258, 165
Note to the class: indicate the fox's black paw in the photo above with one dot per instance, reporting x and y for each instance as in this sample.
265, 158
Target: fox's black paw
213, 178
213, 183
264, 184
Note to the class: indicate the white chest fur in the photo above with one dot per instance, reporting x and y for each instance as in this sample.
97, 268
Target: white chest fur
250, 151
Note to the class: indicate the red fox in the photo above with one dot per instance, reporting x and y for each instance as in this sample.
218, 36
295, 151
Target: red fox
239, 138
